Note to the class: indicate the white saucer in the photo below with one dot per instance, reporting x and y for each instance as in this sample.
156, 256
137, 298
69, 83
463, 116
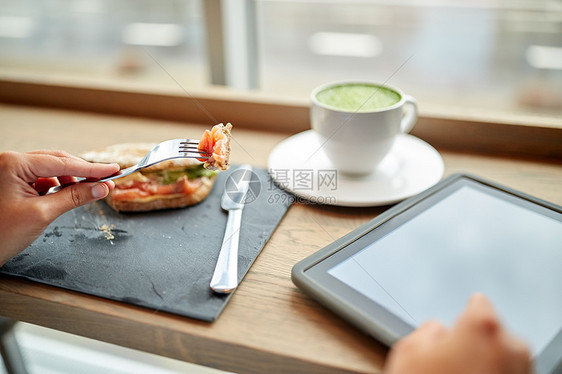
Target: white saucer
300, 165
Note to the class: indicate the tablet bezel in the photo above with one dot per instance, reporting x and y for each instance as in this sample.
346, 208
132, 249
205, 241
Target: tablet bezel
311, 274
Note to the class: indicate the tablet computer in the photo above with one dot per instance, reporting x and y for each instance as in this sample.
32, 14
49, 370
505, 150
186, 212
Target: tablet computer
423, 258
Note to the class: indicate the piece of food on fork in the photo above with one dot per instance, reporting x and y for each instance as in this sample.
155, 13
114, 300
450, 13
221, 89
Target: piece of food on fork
216, 144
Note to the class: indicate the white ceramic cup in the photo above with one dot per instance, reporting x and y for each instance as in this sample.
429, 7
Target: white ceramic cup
356, 141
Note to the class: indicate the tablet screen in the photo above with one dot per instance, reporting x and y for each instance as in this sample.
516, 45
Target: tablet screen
476, 239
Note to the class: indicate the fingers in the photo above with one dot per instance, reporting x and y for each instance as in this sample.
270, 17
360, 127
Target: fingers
432, 331
476, 344
43, 184
424, 336
479, 302
53, 152
416, 353
479, 315
66, 179
74, 196
519, 361
480, 322
58, 163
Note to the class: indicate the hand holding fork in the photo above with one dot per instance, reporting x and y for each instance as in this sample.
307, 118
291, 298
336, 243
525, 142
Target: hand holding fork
167, 150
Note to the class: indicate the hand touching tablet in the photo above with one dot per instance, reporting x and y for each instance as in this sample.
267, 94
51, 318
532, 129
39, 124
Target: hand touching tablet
477, 344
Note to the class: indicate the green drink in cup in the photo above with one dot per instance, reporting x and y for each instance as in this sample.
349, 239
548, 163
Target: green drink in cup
358, 97
358, 122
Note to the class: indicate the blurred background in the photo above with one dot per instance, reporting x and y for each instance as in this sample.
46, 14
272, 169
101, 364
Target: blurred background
453, 55
468, 54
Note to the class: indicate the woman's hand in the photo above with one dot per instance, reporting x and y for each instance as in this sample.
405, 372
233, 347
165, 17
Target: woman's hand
477, 344
26, 214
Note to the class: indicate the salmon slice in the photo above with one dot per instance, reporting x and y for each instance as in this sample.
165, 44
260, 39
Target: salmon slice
138, 190
216, 143
129, 194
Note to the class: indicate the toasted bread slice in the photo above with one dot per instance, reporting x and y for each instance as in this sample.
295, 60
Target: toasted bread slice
157, 202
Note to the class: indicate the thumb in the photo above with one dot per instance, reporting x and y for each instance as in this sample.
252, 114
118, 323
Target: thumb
74, 196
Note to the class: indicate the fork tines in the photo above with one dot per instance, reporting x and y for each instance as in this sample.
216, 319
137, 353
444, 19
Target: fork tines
191, 146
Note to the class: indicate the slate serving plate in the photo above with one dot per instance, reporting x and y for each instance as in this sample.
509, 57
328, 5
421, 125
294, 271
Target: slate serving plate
159, 260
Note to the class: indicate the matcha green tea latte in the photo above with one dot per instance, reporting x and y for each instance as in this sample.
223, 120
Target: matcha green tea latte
358, 97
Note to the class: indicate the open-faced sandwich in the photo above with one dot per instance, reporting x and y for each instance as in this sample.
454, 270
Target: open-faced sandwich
169, 184
175, 183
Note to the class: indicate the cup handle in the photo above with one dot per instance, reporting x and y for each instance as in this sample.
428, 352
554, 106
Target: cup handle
410, 115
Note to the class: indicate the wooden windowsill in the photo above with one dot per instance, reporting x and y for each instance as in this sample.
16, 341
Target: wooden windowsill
455, 129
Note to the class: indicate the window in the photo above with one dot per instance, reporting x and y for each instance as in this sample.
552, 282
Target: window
104, 40
475, 54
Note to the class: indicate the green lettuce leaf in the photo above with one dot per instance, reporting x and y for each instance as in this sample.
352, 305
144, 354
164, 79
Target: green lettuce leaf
172, 176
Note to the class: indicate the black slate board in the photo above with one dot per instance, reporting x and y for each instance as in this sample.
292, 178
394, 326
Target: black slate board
161, 260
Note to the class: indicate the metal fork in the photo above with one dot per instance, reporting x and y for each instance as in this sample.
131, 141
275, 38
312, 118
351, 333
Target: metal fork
167, 150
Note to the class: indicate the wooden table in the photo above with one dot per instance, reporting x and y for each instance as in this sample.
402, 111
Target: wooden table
269, 325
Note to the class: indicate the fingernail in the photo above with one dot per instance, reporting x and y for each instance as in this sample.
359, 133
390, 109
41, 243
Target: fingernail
98, 191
